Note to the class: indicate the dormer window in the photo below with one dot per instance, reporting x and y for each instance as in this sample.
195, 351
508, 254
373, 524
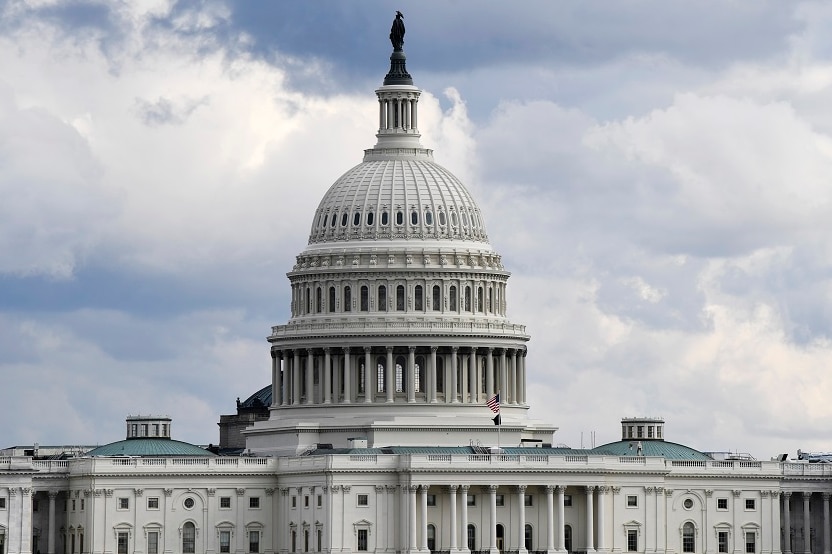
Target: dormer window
399, 218
428, 218
454, 220
414, 217
385, 218
370, 218
344, 219
442, 220
334, 219
356, 219
326, 216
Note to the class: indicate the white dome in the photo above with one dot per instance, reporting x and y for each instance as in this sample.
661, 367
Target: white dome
398, 194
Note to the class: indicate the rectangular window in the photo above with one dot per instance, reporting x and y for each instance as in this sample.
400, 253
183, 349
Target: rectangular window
632, 540
501, 500
153, 503
362, 540
152, 542
254, 541
750, 542
632, 501
225, 502
721, 503
225, 541
122, 543
472, 500
294, 541
35, 504
527, 500
750, 504
722, 541
3, 504
320, 534
73, 505
82, 504
363, 500
306, 501
254, 502
567, 499
294, 502
320, 501
431, 500
123, 504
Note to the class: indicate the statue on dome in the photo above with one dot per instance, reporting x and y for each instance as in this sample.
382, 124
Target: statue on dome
397, 32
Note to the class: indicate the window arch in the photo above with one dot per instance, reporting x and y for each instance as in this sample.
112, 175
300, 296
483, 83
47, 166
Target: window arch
188, 538
688, 537
382, 298
437, 298
400, 298
347, 299
418, 298
365, 298
331, 299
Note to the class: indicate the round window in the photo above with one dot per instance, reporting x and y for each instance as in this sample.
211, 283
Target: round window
688, 503
189, 503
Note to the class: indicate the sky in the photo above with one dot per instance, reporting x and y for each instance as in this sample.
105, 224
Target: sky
656, 176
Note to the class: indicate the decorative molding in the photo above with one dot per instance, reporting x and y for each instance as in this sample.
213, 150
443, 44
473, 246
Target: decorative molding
168, 492
709, 493
270, 491
212, 492
138, 492
240, 491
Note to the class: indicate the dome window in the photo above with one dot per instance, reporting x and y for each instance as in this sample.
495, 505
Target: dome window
385, 218
325, 218
428, 218
334, 219
344, 219
356, 219
414, 217
465, 219
442, 220
399, 218
370, 218
454, 220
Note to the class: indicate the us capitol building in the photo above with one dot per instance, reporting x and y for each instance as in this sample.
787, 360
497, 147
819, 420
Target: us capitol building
376, 434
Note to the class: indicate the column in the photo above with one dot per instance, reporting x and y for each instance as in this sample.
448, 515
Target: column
50, 538
296, 379
390, 380
463, 375
454, 530
432, 397
807, 529
310, 373
423, 497
521, 519
26, 520
504, 377
775, 517
411, 374
561, 526
602, 493
327, 377
412, 516
787, 523
550, 519
825, 496
369, 386
347, 376
522, 378
275, 378
492, 520
515, 381
489, 373
454, 375
287, 380
463, 523
590, 525
472, 376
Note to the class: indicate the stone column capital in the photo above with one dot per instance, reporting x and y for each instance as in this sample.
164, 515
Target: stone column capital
465, 488
787, 494
589, 489
560, 488
434, 349
368, 349
806, 495
521, 488
53, 494
549, 488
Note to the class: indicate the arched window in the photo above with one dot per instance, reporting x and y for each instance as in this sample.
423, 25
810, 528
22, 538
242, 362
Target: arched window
528, 537
365, 299
567, 538
344, 219
428, 218
431, 537
414, 217
400, 365
385, 218
361, 382
440, 374
442, 220
400, 218
418, 298
370, 218
382, 298
437, 298
419, 374
331, 299
318, 301
490, 300
467, 299
454, 220
400, 298
334, 220
472, 537
452, 298
501, 537
308, 300
325, 218
188, 538
380, 362
688, 537
356, 219
479, 299
347, 299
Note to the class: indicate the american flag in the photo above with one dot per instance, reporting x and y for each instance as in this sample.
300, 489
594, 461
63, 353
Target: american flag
494, 403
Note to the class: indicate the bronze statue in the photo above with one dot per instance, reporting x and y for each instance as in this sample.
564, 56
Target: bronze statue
397, 32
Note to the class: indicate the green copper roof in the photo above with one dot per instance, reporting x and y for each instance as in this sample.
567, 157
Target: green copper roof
668, 450
149, 448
